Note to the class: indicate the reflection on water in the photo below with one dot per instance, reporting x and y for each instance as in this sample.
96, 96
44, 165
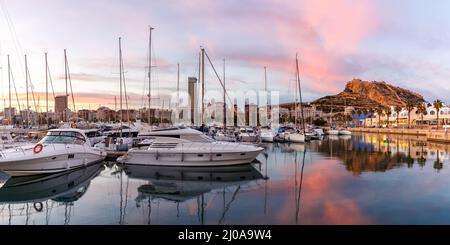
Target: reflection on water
22, 196
373, 152
358, 179
180, 185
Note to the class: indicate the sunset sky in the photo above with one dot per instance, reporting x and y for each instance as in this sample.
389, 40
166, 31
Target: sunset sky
403, 42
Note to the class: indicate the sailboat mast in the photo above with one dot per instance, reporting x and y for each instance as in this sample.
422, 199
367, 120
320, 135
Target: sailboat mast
46, 88
265, 79
224, 99
9, 88
300, 94
203, 85
120, 79
266, 111
150, 75
178, 84
26, 85
295, 103
67, 91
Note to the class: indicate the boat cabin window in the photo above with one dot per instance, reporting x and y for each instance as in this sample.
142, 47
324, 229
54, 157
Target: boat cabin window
63, 137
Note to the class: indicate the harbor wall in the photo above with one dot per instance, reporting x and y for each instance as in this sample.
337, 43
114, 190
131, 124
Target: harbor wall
442, 136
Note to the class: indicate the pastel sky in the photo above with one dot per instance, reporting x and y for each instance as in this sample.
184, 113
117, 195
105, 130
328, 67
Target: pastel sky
404, 42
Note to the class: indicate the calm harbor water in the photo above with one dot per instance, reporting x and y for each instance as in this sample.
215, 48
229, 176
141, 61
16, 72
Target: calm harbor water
358, 179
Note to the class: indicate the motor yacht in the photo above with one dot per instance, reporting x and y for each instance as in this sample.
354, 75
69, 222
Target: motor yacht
225, 136
344, 132
247, 135
188, 147
289, 134
295, 137
267, 134
94, 136
60, 150
333, 132
7, 141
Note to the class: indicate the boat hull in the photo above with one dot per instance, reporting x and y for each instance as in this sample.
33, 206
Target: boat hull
50, 164
144, 157
296, 138
266, 138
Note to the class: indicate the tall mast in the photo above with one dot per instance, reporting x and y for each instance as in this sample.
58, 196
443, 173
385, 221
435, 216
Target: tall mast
9, 88
203, 85
120, 78
265, 79
224, 98
150, 75
295, 103
266, 111
178, 84
26, 85
300, 94
46, 88
67, 91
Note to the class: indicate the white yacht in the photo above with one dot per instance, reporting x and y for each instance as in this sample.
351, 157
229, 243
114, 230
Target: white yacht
189, 147
224, 136
267, 134
94, 136
7, 141
333, 132
295, 137
59, 150
344, 132
247, 135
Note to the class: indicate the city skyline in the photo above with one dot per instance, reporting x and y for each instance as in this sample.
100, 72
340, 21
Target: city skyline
371, 40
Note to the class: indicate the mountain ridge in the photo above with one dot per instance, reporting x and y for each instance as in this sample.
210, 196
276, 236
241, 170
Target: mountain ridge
369, 95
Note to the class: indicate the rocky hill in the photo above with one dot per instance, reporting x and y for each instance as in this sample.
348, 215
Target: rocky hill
364, 94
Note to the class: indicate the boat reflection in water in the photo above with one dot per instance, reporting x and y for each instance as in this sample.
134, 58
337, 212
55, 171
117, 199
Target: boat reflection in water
180, 184
33, 193
377, 152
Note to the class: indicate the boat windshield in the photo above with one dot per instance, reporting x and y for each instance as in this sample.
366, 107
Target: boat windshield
197, 138
63, 137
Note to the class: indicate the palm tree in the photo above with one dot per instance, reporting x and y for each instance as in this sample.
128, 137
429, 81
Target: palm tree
437, 104
371, 111
359, 112
398, 109
409, 107
380, 112
365, 112
438, 164
388, 113
422, 110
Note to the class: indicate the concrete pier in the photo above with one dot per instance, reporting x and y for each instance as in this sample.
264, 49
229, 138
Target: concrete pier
441, 136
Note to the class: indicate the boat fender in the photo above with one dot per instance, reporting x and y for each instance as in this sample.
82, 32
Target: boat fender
38, 206
38, 148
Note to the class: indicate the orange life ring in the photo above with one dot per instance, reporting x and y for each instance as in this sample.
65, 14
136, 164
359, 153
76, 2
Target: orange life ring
38, 148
